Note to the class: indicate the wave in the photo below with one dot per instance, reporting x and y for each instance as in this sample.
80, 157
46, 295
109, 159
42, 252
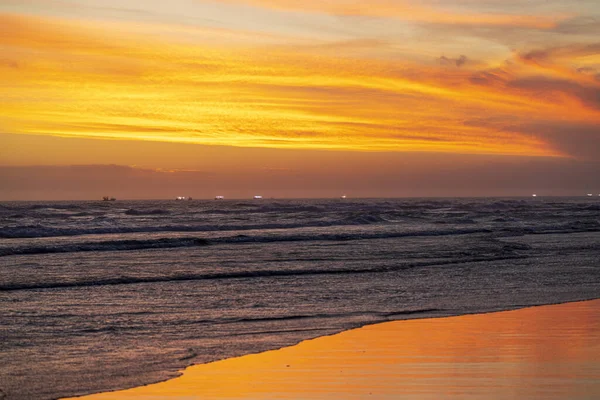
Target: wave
88, 214
54, 207
16, 216
128, 280
365, 218
178, 278
165, 243
36, 231
283, 236
295, 317
156, 211
591, 207
107, 245
272, 207
505, 216
502, 205
382, 315
344, 236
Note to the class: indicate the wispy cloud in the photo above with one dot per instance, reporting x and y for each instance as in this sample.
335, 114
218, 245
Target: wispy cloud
116, 80
427, 12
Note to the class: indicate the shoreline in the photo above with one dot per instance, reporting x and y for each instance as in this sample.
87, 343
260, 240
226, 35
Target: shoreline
193, 380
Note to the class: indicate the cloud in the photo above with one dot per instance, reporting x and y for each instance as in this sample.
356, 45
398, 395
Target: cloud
409, 11
459, 61
562, 53
579, 140
498, 76
547, 74
578, 62
543, 86
84, 80
579, 25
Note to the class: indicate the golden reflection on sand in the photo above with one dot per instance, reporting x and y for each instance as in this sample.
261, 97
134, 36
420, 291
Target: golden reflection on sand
549, 352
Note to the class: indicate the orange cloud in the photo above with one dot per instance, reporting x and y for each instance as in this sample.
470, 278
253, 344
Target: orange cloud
81, 79
408, 11
579, 63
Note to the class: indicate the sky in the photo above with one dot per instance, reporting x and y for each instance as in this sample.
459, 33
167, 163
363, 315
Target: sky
286, 98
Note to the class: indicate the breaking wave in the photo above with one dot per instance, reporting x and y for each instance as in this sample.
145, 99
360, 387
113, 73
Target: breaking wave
128, 280
164, 243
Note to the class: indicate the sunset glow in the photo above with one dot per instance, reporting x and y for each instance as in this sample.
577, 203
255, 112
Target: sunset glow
461, 77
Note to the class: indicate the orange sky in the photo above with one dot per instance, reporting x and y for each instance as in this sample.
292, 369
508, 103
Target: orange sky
468, 77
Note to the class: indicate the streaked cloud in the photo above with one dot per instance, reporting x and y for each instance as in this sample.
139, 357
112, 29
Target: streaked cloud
338, 75
425, 11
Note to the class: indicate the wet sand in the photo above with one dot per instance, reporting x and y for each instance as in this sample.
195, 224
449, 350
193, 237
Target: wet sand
547, 352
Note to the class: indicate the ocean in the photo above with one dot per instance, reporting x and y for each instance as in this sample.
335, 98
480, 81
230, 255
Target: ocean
97, 296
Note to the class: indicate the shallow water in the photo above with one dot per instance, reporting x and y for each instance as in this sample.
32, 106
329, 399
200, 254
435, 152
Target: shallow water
103, 295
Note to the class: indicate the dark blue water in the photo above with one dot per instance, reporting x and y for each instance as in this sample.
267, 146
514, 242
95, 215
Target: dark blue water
96, 296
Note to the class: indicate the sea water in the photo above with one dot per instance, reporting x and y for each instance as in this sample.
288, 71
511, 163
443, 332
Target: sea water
96, 296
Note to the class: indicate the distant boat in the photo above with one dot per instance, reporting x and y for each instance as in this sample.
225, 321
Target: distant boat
106, 198
180, 198
219, 197
590, 194
257, 197
343, 196
534, 195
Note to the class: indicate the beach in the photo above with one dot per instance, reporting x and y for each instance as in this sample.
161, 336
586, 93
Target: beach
546, 352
